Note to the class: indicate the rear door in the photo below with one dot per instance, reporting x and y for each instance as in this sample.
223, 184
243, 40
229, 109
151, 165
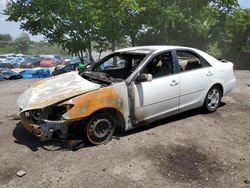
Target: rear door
195, 75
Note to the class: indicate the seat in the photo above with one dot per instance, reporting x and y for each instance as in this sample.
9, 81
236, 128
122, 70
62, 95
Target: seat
162, 70
193, 64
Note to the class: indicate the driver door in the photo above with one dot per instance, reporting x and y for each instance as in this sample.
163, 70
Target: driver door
159, 97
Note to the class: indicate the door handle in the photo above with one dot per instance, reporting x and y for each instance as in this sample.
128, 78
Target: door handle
174, 83
209, 73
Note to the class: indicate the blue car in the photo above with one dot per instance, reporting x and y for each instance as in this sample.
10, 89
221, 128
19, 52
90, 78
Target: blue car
7, 63
35, 73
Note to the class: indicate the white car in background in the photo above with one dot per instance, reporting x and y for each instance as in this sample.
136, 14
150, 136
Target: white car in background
139, 85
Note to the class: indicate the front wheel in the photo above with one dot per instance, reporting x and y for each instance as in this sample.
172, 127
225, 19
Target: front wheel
212, 100
99, 129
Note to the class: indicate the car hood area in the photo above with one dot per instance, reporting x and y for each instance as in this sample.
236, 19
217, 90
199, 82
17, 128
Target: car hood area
53, 90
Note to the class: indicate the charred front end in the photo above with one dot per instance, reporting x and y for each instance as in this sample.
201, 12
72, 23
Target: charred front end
43, 123
44, 104
52, 106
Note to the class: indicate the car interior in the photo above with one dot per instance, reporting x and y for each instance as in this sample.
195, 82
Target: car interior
119, 65
160, 65
188, 61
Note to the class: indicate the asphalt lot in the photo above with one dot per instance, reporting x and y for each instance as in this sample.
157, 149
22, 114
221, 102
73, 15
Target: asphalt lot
192, 149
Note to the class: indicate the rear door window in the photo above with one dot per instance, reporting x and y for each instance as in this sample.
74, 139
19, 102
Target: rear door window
190, 61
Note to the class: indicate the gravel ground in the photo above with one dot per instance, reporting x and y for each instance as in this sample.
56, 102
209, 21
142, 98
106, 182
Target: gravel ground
192, 149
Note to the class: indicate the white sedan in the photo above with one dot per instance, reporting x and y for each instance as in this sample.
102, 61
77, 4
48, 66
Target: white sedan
125, 89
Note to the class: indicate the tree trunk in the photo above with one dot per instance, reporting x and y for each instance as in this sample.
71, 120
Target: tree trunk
132, 38
113, 45
90, 52
100, 53
114, 58
81, 56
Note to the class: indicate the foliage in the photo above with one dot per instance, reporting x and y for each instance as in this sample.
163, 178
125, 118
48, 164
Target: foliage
219, 27
236, 39
5, 38
214, 50
61, 22
21, 44
24, 45
42, 47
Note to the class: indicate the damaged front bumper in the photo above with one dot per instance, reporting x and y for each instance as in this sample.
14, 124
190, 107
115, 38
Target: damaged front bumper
43, 129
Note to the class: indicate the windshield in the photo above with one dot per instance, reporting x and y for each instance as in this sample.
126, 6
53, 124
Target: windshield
119, 65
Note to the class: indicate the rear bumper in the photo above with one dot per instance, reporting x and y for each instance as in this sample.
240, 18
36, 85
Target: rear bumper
229, 85
43, 131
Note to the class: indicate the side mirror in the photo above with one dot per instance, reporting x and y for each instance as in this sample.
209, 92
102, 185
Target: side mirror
144, 78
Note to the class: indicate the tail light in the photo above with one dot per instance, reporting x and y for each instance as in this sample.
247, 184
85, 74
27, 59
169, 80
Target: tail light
234, 67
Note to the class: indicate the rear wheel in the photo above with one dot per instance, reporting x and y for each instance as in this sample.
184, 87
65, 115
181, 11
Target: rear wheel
100, 128
212, 100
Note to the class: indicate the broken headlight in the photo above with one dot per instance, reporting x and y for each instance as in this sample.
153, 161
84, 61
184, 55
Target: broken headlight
51, 113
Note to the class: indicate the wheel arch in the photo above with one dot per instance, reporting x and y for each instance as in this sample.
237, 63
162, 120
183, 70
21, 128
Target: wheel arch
220, 87
116, 114
206, 106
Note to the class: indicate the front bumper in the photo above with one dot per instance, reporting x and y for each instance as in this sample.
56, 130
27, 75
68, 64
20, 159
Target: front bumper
42, 130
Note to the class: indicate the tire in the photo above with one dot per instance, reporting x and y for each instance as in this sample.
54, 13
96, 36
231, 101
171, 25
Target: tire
212, 100
99, 129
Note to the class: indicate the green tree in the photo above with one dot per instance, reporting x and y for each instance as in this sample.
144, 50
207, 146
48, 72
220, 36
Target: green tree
116, 20
21, 44
235, 40
5, 38
43, 47
68, 23
190, 23
76, 24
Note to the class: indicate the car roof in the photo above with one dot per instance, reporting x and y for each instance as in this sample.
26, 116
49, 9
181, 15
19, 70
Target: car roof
153, 48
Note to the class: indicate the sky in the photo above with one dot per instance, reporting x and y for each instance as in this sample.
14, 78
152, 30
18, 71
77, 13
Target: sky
14, 28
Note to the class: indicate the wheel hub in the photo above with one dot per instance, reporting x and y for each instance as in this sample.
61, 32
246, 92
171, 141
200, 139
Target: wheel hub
213, 98
101, 128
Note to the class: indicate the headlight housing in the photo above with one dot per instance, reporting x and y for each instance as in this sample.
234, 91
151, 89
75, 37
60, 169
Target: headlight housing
51, 113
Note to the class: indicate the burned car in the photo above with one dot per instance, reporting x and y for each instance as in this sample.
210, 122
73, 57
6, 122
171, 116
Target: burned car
128, 88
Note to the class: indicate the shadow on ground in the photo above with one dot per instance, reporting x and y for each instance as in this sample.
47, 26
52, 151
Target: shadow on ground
23, 137
167, 120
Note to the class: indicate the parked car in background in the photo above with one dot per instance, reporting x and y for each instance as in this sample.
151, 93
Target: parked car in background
35, 73
140, 85
66, 61
76, 59
68, 68
47, 62
8, 62
56, 57
18, 60
2, 57
30, 62
8, 74
2, 77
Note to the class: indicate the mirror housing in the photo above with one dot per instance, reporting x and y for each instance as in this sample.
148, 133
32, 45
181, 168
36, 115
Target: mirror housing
144, 78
